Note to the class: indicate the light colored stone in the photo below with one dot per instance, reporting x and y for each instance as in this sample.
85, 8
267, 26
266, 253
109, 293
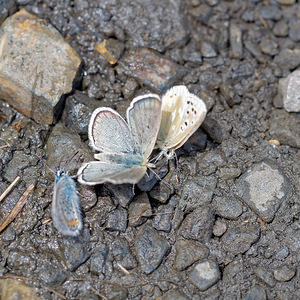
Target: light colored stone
289, 89
37, 66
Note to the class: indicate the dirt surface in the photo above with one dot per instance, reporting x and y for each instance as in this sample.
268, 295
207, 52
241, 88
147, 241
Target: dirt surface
224, 224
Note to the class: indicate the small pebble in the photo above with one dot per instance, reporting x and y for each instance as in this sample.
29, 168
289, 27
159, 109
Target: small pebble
265, 276
236, 44
188, 252
284, 273
117, 220
150, 248
205, 274
139, 210
255, 293
219, 228
98, 259
150, 69
281, 28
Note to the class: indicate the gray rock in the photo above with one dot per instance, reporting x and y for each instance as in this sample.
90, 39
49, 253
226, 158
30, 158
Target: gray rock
9, 234
197, 191
21, 261
60, 139
281, 28
201, 12
122, 253
162, 192
139, 210
284, 127
98, 259
255, 293
270, 12
229, 173
263, 188
238, 239
191, 55
52, 272
227, 207
219, 228
7, 8
294, 31
163, 218
288, 59
77, 112
150, 248
37, 67
288, 89
129, 88
174, 294
188, 252
205, 274
212, 2
284, 273
214, 129
117, 220
268, 47
123, 193
198, 224
244, 70
255, 51
207, 49
286, 2
236, 44
281, 253
197, 142
75, 250
150, 179
19, 162
171, 31
265, 276
150, 69
88, 197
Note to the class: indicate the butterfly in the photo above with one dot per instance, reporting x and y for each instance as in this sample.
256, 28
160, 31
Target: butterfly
124, 147
66, 212
182, 114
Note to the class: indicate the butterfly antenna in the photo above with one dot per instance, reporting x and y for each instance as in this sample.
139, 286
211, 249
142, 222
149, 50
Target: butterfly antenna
161, 180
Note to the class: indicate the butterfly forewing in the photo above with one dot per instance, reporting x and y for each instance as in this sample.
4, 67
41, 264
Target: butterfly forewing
97, 172
108, 132
144, 116
66, 213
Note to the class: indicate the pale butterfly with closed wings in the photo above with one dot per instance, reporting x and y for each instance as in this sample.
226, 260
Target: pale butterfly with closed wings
182, 114
66, 212
124, 147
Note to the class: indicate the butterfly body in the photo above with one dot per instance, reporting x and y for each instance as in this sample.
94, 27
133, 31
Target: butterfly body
66, 213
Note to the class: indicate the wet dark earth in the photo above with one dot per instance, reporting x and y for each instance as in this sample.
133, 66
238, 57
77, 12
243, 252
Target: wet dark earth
223, 223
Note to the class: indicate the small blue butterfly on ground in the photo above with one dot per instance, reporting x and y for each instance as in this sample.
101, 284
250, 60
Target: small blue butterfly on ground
66, 212
124, 147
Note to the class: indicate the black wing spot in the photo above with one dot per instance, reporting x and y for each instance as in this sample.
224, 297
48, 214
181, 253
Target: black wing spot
185, 123
195, 112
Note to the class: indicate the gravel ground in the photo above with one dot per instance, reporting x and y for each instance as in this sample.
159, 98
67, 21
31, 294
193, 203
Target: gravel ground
224, 224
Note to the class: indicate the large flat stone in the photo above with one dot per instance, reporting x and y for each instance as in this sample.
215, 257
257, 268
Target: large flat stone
37, 66
263, 188
150, 69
